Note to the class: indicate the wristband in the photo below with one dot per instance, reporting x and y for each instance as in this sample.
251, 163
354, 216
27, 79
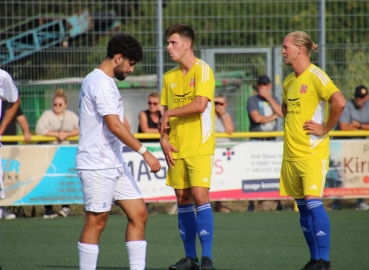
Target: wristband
225, 115
142, 150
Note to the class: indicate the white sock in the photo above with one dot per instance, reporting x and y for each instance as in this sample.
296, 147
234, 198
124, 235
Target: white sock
136, 254
88, 254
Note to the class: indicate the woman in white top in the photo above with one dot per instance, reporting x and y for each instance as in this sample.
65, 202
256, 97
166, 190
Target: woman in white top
60, 123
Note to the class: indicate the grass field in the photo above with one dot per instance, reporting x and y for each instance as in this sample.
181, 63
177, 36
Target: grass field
256, 240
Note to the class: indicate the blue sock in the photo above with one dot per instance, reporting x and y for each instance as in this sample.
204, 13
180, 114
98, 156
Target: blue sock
187, 228
205, 228
306, 222
321, 227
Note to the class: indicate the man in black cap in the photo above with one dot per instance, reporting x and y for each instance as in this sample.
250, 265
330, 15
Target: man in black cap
263, 108
355, 116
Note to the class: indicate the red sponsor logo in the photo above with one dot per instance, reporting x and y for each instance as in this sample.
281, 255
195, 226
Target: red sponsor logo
303, 89
192, 82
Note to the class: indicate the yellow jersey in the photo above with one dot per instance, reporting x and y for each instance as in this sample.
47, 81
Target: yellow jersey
192, 135
306, 98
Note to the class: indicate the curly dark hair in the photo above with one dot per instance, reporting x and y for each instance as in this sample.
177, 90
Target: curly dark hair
125, 45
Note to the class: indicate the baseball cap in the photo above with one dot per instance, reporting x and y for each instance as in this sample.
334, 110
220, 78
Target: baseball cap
361, 91
263, 80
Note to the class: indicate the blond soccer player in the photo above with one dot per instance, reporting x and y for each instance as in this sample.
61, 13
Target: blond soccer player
306, 95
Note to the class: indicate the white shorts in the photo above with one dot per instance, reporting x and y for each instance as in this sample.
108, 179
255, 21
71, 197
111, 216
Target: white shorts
101, 188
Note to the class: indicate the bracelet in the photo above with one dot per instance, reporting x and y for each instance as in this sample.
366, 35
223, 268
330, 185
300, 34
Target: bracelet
142, 150
225, 115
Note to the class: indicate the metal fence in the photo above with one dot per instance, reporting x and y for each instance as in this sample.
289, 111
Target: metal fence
43, 40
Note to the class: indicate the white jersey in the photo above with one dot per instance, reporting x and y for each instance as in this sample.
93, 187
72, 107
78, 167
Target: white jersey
8, 90
98, 148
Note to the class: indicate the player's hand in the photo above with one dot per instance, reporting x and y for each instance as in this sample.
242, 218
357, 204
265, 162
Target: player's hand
167, 150
314, 128
163, 123
355, 124
152, 161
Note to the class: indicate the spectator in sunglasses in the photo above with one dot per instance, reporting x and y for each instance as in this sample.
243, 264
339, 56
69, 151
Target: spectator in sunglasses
60, 123
148, 119
223, 123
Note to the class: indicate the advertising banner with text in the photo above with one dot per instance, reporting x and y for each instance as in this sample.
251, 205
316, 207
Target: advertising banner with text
46, 174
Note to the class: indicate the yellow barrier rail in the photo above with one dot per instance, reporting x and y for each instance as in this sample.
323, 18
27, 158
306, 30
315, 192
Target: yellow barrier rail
235, 135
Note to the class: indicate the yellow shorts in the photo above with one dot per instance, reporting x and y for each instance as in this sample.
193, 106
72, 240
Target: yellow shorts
301, 178
191, 172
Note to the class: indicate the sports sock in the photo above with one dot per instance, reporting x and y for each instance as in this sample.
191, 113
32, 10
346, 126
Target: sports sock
136, 254
321, 227
306, 222
187, 228
88, 254
205, 228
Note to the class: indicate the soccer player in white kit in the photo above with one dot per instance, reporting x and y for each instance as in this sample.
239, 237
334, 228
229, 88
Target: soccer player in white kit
104, 175
9, 92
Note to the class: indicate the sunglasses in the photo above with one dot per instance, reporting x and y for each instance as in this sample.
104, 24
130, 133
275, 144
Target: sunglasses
58, 104
218, 103
152, 103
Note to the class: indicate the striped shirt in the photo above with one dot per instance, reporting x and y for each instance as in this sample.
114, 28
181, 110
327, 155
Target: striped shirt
306, 98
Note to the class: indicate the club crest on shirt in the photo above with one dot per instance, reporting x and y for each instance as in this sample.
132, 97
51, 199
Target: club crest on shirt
192, 82
303, 89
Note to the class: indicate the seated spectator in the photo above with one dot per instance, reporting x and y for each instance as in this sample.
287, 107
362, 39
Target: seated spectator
222, 123
263, 110
148, 119
11, 130
148, 123
60, 123
355, 116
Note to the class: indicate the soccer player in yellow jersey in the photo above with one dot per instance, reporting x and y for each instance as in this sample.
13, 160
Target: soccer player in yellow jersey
188, 143
308, 119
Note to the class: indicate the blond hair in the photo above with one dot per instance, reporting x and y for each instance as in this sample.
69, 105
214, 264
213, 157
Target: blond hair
154, 95
301, 38
60, 93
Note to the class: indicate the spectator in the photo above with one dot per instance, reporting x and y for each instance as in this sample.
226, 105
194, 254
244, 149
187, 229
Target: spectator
148, 123
355, 116
148, 119
60, 123
263, 110
11, 130
223, 123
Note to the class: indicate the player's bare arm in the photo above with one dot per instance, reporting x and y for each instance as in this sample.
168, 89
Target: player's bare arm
9, 115
124, 135
166, 146
198, 105
284, 109
338, 103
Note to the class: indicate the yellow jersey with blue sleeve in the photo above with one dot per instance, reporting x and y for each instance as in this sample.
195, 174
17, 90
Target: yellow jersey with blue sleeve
192, 135
306, 98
